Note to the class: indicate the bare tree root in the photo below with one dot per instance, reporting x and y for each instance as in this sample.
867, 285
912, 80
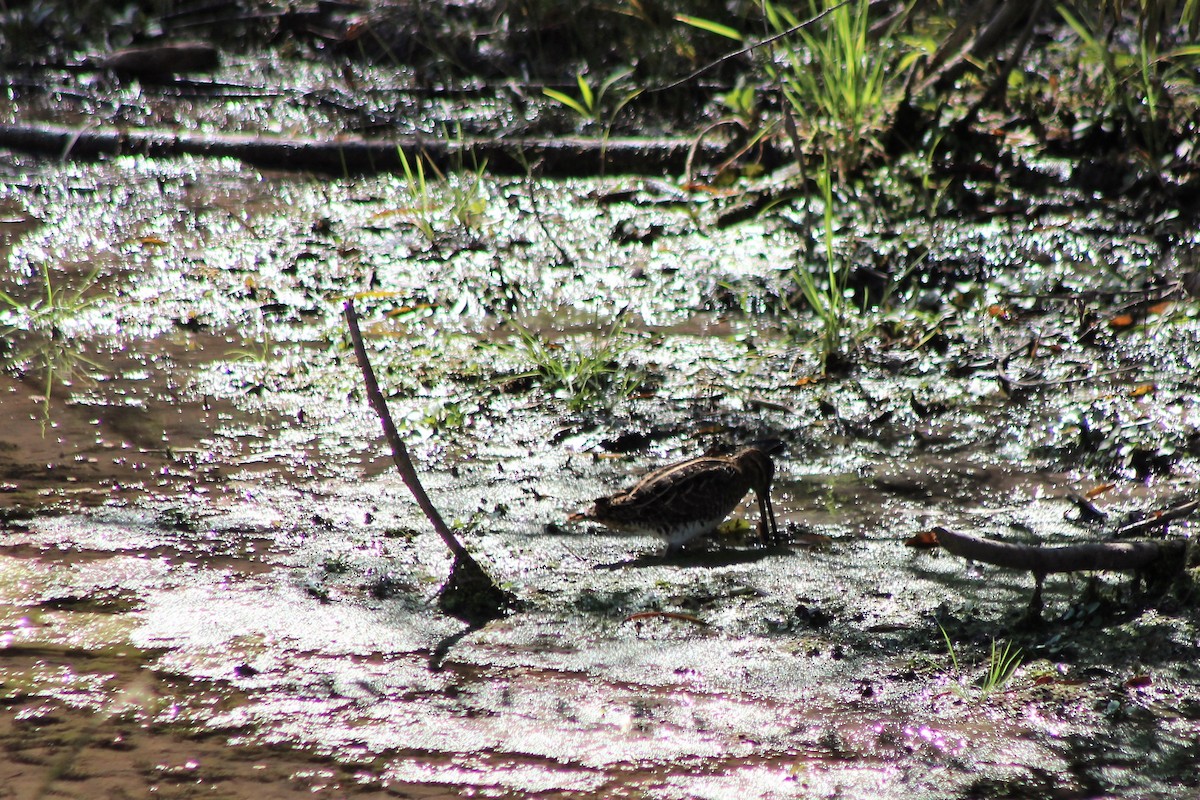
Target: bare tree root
983, 28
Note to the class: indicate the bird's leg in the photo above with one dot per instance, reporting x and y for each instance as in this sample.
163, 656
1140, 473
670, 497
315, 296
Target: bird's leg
768, 528
1033, 614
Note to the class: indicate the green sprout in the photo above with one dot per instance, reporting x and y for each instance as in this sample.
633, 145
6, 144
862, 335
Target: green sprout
826, 294
41, 322
837, 81
1002, 665
589, 103
585, 373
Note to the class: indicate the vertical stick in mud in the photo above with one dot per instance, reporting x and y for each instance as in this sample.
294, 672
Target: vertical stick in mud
399, 452
469, 593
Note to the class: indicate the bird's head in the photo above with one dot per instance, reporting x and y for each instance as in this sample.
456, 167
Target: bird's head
757, 466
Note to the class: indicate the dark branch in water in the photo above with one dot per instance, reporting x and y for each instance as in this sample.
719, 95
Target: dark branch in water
1161, 558
469, 593
399, 452
1120, 556
1160, 519
558, 156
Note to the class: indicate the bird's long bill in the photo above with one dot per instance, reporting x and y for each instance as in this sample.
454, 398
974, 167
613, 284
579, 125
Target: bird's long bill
766, 512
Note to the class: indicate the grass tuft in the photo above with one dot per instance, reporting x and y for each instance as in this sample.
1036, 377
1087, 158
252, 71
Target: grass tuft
586, 371
1002, 665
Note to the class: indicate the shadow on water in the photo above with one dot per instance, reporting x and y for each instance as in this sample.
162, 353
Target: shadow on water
437, 658
470, 594
699, 559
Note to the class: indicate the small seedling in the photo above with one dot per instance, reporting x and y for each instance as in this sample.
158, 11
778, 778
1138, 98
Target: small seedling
48, 312
420, 207
835, 77
826, 294
463, 195
257, 351
1002, 664
589, 103
42, 326
742, 103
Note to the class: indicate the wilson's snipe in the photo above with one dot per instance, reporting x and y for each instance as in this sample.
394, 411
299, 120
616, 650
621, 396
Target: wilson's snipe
681, 501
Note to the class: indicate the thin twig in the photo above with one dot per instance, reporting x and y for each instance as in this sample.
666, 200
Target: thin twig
642, 615
1159, 520
567, 261
399, 452
749, 49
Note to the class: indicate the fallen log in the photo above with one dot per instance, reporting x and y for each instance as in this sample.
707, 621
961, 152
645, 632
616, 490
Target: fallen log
161, 61
1157, 558
339, 155
1119, 556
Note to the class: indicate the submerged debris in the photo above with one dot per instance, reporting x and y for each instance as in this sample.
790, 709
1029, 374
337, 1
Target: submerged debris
162, 61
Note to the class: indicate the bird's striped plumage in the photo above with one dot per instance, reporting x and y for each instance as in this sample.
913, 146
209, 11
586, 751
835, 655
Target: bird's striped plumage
681, 501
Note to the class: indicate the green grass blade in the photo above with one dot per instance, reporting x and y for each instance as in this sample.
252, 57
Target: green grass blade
585, 92
711, 27
566, 100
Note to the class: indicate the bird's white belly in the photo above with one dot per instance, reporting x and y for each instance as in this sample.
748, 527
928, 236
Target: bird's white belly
685, 533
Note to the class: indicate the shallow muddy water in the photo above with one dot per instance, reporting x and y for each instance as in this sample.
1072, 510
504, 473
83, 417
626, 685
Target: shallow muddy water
214, 583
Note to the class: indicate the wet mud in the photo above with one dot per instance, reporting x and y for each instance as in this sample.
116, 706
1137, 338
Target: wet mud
213, 583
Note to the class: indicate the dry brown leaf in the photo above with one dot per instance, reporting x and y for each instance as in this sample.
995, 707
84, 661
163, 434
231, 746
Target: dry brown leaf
923, 540
1096, 491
